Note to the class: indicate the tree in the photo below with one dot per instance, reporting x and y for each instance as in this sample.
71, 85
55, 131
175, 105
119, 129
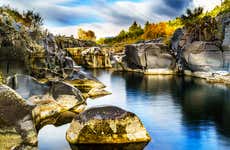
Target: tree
86, 35
135, 30
33, 18
147, 24
190, 15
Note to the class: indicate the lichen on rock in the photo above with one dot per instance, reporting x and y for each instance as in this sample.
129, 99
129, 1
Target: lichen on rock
106, 125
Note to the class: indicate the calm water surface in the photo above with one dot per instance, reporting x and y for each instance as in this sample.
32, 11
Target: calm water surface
180, 113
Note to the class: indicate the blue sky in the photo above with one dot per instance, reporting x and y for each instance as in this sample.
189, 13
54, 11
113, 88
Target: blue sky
105, 17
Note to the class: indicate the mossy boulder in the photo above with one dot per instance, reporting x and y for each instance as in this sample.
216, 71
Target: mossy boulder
106, 125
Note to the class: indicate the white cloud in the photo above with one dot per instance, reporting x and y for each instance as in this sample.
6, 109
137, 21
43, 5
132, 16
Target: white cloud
207, 4
113, 17
101, 29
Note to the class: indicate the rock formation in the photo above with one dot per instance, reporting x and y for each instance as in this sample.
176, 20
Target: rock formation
106, 125
226, 30
203, 50
51, 99
93, 57
17, 130
148, 58
64, 42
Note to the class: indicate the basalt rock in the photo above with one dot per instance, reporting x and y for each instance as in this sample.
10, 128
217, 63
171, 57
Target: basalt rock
94, 57
51, 99
17, 130
107, 125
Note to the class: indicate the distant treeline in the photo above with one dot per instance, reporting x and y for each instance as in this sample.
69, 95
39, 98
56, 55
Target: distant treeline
165, 29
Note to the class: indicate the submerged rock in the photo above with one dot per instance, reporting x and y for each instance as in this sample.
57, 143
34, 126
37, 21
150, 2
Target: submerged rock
17, 130
51, 98
106, 125
87, 84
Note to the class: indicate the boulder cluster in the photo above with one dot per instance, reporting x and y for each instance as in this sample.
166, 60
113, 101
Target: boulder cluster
201, 50
41, 84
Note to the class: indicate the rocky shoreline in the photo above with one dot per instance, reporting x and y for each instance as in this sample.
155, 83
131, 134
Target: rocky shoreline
187, 54
41, 82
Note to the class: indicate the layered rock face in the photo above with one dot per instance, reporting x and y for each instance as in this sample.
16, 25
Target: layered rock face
94, 57
206, 56
31, 51
51, 99
17, 130
64, 42
106, 125
226, 28
199, 51
148, 57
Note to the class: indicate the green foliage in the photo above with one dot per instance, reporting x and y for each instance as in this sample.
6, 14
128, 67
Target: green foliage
33, 18
28, 18
191, 16
224, 8
101, 41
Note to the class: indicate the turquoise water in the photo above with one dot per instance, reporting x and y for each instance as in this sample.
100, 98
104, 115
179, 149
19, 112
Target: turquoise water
180, 113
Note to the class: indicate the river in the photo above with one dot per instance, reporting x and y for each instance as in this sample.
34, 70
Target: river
180, 113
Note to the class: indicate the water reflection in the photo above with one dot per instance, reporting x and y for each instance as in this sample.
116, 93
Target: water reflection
136, 146
179, 112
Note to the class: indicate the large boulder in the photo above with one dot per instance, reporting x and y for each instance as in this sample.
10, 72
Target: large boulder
51, 99
106, 125
145, 56
17, 130
204, 56
93, 57
226, 29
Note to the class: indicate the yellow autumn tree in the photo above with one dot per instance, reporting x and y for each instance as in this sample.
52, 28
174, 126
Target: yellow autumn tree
86, 35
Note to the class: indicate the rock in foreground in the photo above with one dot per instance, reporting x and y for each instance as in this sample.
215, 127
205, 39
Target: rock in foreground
107, 125
17, 130
51, 99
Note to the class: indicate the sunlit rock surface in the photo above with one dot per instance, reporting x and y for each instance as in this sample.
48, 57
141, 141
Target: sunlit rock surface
106, 125
205, 56
226, 26
148, 57
17, 130
51, 99
64, 42
93, 57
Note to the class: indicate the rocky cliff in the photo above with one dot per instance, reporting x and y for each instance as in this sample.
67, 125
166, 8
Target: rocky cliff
197, 49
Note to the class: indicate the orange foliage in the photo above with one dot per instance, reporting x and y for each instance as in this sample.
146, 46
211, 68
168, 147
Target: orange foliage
162, 29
